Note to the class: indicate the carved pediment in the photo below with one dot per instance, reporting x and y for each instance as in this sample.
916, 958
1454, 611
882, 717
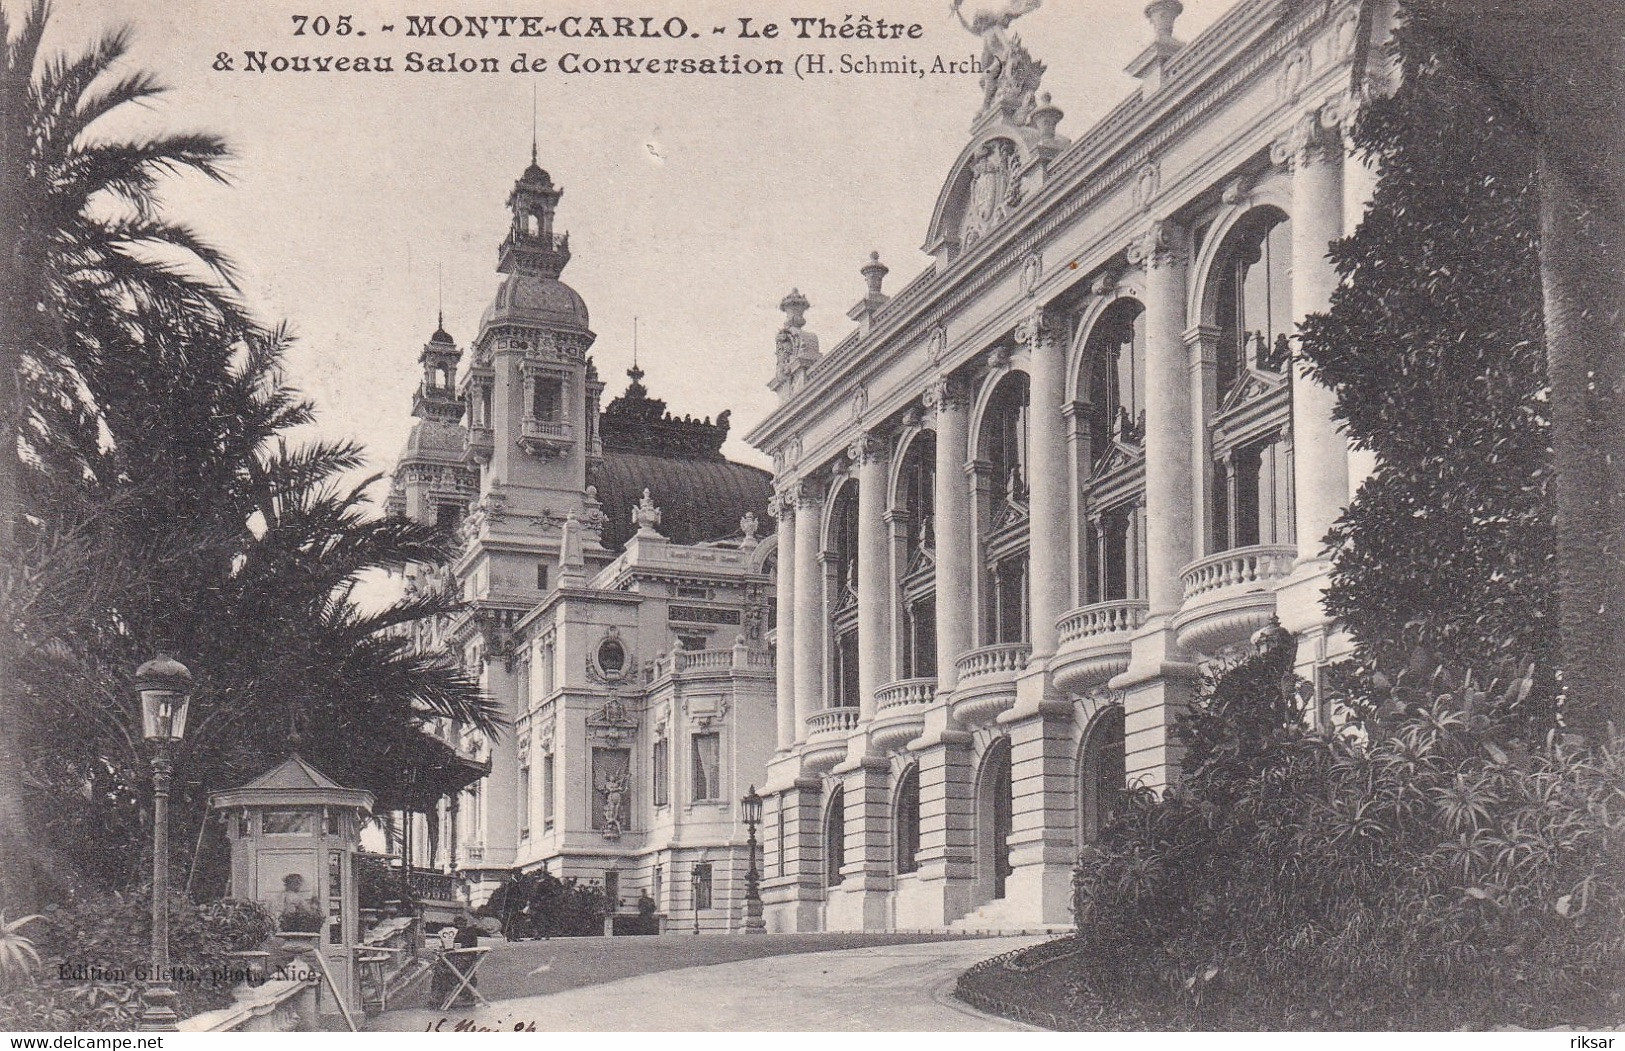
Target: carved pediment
1254, 385
1119, 456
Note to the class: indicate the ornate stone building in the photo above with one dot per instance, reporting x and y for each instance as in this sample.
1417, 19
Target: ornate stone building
617, 583
1066, 465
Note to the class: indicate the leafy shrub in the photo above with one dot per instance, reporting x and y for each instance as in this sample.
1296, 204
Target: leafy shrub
539, 905
1423, 867
112, 933
378, 884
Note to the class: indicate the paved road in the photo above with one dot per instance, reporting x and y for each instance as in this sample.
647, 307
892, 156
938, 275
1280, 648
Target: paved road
892, 988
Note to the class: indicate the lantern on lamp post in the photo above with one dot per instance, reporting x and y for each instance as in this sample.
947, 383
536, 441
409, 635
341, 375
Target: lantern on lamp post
165, 688
752, 807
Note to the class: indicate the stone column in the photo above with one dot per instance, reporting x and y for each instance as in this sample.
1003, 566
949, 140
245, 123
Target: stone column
955, 530
808, 654
785, 600
1158, 681
1170, 515
1320, 452
874, 573
1049, 573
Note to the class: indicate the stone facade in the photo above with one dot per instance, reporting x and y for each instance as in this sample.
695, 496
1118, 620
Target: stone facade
629, 656
1065, 467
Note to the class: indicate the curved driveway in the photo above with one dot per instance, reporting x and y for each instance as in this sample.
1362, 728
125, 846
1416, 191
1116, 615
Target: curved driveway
894, 988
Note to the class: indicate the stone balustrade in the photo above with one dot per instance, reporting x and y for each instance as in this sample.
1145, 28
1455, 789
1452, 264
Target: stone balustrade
1001, 659
1230, 595
275, 1007
1102, 618
832, 720
1094, 642
987, 681
1257, 566
906, 693
695, 660
900, 709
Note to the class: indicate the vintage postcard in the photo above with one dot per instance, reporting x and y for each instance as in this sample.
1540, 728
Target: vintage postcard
942, 515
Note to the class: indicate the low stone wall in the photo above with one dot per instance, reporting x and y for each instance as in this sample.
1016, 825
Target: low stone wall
275, 1007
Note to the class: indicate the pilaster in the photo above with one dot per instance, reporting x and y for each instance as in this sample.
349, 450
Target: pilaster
784, 599
793, 883
1313, 149
860, 902
940, 891
1043, 841
1169, 512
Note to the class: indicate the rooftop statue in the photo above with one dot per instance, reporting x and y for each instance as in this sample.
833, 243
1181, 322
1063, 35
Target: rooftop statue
1009, 74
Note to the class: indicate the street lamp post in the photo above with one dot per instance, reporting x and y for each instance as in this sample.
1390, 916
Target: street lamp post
752, 806
164, 685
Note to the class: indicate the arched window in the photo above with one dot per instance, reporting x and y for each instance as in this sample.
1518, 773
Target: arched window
916, 507
1101, 775
1116, 357
1252, 310
1002, 496
843, 593
906, 822
994, 809
835, 838
1253, 305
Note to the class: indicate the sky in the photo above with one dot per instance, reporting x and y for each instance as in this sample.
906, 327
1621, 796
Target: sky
693, 203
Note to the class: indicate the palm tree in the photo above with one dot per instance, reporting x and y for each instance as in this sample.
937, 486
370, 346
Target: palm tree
241, 555
80, 218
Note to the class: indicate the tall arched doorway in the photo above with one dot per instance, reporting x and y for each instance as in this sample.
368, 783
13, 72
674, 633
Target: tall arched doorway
994, 806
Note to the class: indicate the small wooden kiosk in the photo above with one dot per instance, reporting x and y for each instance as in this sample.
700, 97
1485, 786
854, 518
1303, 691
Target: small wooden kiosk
294, 835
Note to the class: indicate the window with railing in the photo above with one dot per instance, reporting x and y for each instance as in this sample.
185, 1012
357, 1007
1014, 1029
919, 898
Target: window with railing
524, 799
1115, 356
702, 885
1250, 420
1002, 495
916, 508
547, 790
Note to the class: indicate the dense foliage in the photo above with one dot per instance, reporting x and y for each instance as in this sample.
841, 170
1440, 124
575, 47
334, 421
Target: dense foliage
539, 905
164, 510
1429, 870
1434, 346
91, 949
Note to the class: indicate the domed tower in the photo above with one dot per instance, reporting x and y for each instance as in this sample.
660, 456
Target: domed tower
530, 366
432, 482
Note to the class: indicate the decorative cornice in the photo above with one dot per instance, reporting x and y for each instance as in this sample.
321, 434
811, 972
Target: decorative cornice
1203, 76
